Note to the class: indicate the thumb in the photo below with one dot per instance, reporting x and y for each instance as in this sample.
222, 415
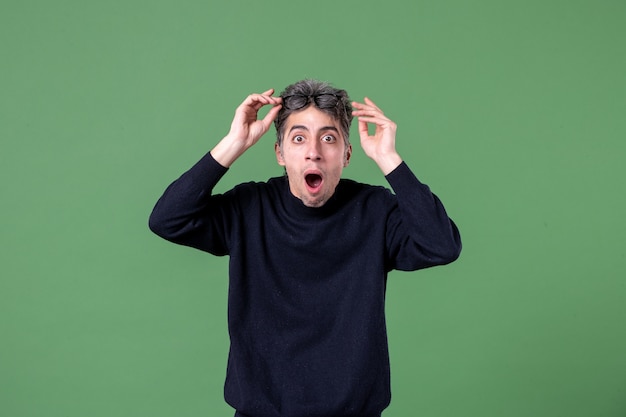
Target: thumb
271, 115
363, 128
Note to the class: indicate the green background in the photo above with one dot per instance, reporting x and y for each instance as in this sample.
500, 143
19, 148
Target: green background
513, 112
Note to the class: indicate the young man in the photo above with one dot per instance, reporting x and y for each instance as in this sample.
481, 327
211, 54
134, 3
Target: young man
309, 252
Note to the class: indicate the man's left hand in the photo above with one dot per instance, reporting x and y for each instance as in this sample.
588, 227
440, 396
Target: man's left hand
381, 146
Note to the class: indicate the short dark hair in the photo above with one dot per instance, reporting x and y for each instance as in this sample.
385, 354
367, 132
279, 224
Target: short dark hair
312, 88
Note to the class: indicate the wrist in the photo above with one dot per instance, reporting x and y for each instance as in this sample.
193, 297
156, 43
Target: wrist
388, 162
227, 151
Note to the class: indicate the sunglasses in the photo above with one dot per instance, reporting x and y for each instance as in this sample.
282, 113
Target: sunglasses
322, 101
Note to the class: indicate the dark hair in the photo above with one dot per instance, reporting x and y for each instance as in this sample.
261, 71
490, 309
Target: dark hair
309, 89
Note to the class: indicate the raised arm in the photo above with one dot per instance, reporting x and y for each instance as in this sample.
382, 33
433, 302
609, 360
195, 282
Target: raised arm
419, 233
188, 213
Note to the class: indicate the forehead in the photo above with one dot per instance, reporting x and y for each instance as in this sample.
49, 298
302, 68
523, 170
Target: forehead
311, 119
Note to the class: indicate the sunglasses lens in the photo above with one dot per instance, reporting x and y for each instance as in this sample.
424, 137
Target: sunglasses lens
298, 101
295, 102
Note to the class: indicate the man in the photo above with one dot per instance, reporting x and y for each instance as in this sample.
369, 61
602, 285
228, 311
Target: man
309, 252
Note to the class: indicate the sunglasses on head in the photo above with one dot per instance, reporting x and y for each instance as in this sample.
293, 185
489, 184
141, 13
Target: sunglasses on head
322, 101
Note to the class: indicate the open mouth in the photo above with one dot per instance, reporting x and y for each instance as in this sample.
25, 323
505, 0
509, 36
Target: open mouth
313, 181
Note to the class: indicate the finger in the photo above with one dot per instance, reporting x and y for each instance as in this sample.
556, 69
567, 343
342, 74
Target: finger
358, 105
378, 121
270, 100
371, 103
363, 128
261, 98
365, 107
266, 95
368, 110
371, 114
269, 95
256, 101
271, 115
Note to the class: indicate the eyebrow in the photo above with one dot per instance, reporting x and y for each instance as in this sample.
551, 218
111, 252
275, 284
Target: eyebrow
303, 127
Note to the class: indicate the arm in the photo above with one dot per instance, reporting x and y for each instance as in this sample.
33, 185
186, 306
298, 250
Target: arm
188, 213
420, 233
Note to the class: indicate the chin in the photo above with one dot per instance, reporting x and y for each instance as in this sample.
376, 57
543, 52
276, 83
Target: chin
313, 204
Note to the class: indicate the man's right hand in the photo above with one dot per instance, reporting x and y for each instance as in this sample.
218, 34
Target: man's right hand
246, 129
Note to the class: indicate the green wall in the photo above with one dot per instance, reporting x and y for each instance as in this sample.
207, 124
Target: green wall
513, 113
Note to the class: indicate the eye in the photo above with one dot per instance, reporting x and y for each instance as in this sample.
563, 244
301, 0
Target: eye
329, 139
298, 139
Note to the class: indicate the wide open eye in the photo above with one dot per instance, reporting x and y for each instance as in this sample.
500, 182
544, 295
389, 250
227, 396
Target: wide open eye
329, 139
297, 139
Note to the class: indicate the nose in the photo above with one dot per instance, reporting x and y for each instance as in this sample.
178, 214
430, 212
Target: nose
314, 151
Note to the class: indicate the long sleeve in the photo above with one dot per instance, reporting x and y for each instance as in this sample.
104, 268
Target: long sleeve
419, 232
188, 214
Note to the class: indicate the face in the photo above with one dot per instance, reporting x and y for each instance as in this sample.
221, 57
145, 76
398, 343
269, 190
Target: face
314, 154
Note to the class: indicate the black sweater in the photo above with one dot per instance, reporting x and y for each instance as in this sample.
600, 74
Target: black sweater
306, 310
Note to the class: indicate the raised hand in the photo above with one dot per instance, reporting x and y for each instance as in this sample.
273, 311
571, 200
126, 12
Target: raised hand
380, 146
246, 128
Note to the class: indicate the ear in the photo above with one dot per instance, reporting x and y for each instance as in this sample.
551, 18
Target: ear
346, 160
279, 155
